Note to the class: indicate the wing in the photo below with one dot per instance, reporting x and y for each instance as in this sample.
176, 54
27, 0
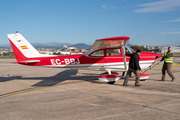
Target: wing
113, 42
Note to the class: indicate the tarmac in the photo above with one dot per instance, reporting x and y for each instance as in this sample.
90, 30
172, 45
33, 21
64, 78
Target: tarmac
39, 93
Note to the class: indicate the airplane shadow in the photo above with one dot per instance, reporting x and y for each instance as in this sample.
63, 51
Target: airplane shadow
4, 79
62, 76
58, 78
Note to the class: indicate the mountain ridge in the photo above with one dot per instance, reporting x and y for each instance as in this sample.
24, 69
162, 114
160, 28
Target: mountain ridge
53, 45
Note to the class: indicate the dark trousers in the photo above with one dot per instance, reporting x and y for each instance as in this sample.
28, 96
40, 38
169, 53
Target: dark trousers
124, 73
136, 72
168, 68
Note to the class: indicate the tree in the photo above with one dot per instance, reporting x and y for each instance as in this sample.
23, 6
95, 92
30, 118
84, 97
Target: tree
144, 48
8, 54
135, 47
73, 50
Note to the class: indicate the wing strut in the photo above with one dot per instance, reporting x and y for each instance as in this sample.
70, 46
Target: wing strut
124, 57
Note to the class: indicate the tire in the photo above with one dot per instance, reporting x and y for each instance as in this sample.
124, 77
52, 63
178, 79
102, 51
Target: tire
143, 80
112, 82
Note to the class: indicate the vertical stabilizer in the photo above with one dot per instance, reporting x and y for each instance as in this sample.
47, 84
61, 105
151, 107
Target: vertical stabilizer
21, 47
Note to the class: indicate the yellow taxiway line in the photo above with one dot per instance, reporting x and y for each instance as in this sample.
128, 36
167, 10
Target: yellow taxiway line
30, 89
176, 64
172, 64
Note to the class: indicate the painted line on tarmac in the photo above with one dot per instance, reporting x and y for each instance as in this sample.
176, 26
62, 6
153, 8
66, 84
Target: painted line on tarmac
31, 89
161, 73
172, 64
176, 64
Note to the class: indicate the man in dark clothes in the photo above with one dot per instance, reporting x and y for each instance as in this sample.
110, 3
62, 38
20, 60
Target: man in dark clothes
168, 60
134, 67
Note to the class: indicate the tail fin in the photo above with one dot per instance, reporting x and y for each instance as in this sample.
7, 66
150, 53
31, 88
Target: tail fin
22, 48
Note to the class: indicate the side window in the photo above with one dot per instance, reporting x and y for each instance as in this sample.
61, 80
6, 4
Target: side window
98, 53
113, 52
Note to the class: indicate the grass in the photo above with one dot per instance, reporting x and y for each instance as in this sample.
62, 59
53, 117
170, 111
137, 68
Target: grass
7, 57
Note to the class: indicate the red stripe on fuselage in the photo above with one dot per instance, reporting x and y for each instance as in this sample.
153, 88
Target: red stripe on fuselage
18, 54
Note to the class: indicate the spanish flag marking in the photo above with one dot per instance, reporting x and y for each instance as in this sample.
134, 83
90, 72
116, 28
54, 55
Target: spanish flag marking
24, 47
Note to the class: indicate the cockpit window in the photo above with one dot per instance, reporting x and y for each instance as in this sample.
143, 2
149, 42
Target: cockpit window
98, 53
113, 52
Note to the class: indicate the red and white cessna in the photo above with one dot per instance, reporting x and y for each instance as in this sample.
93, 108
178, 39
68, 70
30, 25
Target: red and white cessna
107, 55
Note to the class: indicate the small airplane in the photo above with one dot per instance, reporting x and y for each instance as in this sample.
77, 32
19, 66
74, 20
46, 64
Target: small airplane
107, 54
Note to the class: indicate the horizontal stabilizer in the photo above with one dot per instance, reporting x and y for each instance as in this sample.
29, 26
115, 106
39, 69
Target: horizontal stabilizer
27, 61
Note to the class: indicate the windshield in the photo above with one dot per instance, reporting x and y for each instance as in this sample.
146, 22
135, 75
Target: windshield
88, 52
129, 48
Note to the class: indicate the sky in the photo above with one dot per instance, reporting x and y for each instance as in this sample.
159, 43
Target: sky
146, 22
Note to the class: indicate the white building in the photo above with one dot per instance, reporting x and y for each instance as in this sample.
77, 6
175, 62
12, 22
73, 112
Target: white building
174, 49
65, 47
4, 50
46, 52
65, 52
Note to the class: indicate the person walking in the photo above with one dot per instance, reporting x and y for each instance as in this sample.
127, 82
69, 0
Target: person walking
168, 60
134, 67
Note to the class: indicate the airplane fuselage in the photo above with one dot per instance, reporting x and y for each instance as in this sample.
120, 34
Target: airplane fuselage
103, 63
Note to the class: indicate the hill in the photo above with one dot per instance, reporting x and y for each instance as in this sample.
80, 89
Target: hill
53, 45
